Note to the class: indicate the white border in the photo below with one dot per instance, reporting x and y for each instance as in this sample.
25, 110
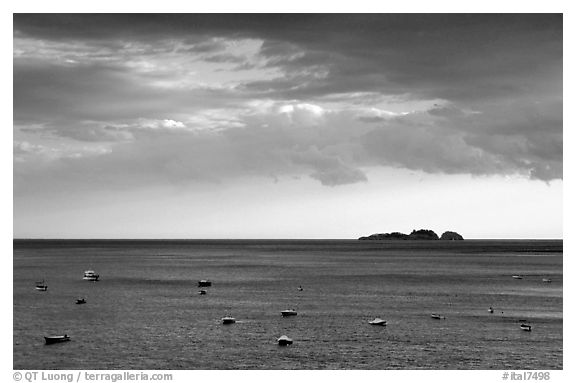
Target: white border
248, 6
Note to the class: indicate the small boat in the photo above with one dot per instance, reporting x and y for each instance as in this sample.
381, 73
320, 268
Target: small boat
284, 340
80, 301
526, 327
300, 288
41, 286
491, 310
546, 280
90, 275
378, 322
289, 312
202, 292
517, 277
204, 283
56, 339
228, 320
436, 316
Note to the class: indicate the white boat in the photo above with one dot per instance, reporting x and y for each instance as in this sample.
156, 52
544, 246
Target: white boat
526, 327
289, 312
546, 280
491, 310
90, 275
517, 277
228, 320
202, 292
300, 288
41, 286
378, 322
436, 316
284, 340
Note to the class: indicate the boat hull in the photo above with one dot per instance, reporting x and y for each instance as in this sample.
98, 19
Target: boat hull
56, 339
284, 341
288, 313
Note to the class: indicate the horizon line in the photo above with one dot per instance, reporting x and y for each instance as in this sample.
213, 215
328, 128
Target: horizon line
274, 239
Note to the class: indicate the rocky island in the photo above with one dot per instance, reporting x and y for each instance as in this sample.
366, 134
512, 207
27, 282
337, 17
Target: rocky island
451, 236
422, 234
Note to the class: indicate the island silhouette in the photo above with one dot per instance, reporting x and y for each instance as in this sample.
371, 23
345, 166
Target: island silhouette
422, 234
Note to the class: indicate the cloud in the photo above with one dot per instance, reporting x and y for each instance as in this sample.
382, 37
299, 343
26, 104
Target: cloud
449, 56
184, 98
102, 131
490, 141
329, 170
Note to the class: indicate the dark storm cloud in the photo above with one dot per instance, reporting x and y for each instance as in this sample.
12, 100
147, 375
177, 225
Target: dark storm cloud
499, 75
456, 57
62, 96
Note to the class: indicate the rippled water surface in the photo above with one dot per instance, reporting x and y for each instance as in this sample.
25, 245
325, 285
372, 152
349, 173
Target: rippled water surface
145, 312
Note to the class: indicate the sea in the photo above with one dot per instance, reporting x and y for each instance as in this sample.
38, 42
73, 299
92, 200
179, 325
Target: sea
145, 312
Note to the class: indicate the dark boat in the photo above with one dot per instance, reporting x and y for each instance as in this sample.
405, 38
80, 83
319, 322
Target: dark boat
41, 286
284, 340
517, 276
204, 283
56, 339
80, 301
289, 312
436, 316
228, 320
526, 327
202, 292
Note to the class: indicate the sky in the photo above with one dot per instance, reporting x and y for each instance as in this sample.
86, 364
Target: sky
287, 126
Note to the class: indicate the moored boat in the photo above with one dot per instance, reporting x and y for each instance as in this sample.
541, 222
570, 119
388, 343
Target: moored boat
378, 322
80, 301
436, 316
41, 286
204, 283
289, 312
56, 339
546, 280
517, 276
525, 327
284, 340
90, 275
228, 320
202, 292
